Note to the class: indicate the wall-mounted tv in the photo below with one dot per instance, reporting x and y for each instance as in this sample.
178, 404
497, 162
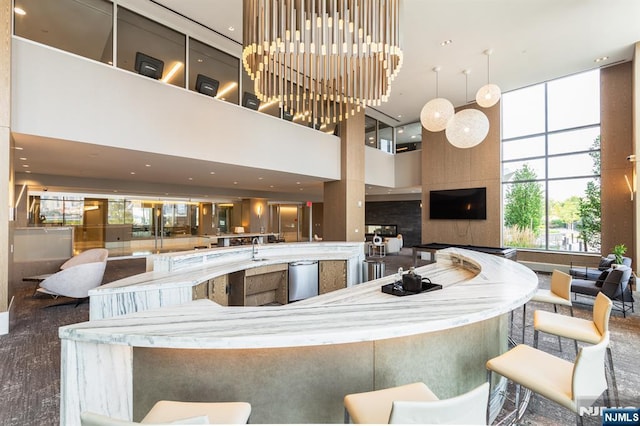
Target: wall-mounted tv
149, 66
468, 203
207, 85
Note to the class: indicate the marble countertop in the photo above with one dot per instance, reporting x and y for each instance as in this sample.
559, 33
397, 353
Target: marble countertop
202, 265
476, 286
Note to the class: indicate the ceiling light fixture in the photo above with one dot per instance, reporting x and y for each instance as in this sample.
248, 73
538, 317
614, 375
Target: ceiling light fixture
468, 127
446, 42
437, 112
600, 59
332, 58
489, 94
19, 11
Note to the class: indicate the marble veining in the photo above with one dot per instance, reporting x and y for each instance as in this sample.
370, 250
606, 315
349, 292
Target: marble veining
173, 275
476, 286
97, 355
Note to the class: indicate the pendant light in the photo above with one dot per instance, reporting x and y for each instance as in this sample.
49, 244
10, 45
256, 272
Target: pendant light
489, 94
468, 127
437, 112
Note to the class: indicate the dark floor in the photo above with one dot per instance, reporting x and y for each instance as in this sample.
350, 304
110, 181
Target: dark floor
30, 354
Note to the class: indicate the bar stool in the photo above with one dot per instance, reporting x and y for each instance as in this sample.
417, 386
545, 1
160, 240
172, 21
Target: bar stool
415, 403
177, 412
558, 294
578, 329
572, 385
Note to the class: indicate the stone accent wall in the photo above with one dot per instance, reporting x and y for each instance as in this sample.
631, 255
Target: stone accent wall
404, 214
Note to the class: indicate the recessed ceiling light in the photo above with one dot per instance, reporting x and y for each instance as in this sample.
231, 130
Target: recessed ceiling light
400, 131
446, 42
235, 183
147, 165
200, 60
190, 178
297, 183
301, 189
600, 59
19, 11
18, 148
23, 158
27, 171
413, 136
232, 28
400, 116
133, 173
260, 178
270, 186
25, 165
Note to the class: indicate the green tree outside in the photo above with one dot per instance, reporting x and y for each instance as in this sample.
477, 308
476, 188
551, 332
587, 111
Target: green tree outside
589, 206
524, 206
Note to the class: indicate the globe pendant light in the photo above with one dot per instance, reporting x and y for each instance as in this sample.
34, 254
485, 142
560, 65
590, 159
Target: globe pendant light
489, 94
437, 112
468, 127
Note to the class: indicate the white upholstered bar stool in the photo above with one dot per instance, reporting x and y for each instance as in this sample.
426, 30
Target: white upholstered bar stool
572, 385
559, 293
177, 412
578, 329
415, 403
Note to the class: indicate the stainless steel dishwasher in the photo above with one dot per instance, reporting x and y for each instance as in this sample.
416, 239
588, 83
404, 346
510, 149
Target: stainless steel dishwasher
303, 280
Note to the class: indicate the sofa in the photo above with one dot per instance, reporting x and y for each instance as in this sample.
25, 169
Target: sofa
588, 273
615, 283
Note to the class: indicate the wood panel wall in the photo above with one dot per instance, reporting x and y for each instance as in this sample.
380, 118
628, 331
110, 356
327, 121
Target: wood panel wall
447, 167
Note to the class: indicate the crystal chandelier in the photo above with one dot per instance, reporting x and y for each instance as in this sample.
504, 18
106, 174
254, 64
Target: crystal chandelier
322, 58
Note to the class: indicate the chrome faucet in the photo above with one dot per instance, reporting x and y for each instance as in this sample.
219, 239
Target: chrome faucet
254, 246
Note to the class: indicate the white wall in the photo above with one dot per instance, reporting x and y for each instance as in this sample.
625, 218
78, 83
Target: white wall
64, 96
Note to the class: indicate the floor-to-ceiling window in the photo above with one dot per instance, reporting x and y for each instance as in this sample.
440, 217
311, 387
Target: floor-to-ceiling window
551, 165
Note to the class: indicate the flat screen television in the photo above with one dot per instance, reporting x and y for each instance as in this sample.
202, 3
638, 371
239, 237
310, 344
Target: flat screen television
149, 66
468, 203
250, 101
207, 85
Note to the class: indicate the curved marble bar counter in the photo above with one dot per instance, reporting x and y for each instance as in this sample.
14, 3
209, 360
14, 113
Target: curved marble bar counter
172, 277
294, 363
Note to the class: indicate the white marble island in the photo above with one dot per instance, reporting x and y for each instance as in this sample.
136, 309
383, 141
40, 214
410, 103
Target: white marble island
173, 278
294, 363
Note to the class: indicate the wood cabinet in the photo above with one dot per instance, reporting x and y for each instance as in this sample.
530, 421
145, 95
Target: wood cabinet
333, 275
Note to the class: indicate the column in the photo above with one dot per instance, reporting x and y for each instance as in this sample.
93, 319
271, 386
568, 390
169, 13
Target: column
344, 199
5, 159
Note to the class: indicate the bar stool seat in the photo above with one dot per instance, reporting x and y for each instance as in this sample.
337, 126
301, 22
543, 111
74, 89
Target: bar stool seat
417, 404
571, 385
578, 329
558, 294
375, 406
178, 412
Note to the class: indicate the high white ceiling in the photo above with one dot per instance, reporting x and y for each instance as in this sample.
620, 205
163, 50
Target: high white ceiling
532, 41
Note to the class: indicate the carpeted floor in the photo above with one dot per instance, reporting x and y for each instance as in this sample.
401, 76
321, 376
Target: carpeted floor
30, 354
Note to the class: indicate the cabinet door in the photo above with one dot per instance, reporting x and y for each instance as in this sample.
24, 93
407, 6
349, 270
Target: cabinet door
333, 275
219, 290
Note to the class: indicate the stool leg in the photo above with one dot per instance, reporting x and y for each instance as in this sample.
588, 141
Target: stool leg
614, 385
524, 317
555, 309
347, 419
535, 338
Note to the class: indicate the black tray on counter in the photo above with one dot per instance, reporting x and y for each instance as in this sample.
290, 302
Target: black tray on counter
426, 287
